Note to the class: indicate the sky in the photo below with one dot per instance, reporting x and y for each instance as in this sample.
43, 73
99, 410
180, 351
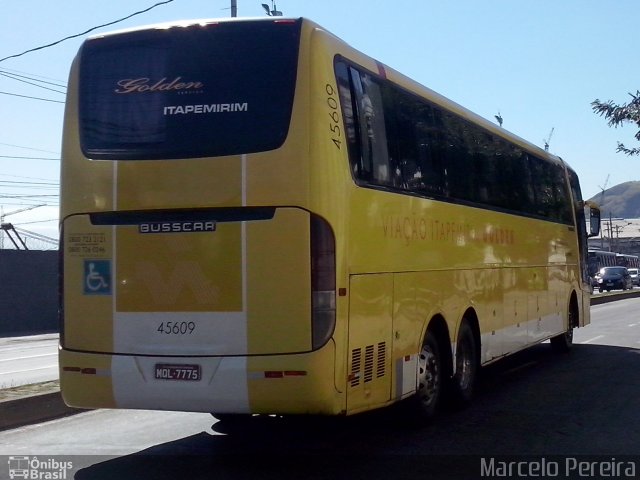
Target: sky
537, 63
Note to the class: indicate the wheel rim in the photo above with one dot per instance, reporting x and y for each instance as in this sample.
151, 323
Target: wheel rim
572, 321
428, 376
464, 362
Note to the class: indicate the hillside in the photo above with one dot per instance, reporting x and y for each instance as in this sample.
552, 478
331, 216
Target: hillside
620, 201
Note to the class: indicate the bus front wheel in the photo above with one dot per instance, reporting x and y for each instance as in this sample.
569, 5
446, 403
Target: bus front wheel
563, 342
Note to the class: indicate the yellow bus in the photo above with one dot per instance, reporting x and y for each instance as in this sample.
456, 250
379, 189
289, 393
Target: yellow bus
259, 219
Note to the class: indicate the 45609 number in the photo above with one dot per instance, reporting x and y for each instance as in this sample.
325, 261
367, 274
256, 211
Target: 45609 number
334, 116
176, 328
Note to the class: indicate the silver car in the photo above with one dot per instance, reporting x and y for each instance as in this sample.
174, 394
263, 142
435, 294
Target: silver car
634, 276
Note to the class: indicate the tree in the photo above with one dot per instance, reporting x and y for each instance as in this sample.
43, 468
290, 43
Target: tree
618, 115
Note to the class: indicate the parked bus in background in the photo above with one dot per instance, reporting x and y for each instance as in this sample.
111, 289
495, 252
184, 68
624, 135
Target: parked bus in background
629, 261
259, 219
599, 259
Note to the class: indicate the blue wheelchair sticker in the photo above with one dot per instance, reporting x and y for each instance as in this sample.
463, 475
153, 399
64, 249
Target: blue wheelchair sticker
97, 277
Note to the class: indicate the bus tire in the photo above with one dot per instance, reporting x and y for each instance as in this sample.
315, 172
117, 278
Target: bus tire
563, 342
430, 379
464, 379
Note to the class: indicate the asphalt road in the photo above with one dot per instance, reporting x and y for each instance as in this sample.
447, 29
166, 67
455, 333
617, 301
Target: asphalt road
537, 403
27, 360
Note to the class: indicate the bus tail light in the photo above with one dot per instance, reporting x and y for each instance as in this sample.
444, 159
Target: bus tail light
323, 282
61, 247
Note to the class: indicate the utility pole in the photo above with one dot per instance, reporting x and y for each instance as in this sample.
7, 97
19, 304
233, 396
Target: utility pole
234, 8
603, 188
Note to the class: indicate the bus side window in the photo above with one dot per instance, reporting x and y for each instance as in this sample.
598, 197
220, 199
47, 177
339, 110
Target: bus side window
401, 138
431, 137
348, 115
375, 167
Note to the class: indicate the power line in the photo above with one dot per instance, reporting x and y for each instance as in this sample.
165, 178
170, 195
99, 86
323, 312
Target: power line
85, 32
28, 178
37, 202
27, 148
33, 98
35, 76
37, 221
12, 189
12, 77
35, 195
20, 184
33, 192
31, 77
29, 203
30, 158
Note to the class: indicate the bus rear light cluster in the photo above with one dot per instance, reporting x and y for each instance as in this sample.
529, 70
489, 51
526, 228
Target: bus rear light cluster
323, 282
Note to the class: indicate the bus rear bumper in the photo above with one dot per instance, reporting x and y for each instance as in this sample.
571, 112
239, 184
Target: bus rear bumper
279, 384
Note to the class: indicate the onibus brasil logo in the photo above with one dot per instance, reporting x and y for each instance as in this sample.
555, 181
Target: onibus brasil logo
38, 469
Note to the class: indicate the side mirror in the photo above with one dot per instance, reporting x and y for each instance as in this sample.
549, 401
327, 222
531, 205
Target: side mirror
594, 221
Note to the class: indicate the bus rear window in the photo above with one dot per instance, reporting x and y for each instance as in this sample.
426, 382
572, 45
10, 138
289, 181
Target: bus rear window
185, 92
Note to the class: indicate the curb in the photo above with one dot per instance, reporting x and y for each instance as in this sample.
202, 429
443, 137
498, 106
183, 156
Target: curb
34, 408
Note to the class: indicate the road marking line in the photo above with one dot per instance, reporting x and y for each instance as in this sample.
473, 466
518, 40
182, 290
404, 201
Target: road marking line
30, 370
9, 348
634, 324
593, 339
32, 356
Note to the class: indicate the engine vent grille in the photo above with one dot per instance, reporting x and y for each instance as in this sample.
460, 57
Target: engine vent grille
374, 365
356, 364
382, 360
368, 363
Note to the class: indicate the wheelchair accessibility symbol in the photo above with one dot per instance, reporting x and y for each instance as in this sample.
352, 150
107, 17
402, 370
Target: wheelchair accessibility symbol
97, 277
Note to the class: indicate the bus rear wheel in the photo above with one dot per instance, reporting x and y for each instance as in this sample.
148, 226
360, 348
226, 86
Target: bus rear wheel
563, 342
429, 388
464, 378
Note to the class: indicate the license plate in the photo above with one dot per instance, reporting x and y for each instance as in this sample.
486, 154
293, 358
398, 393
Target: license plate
190, 373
